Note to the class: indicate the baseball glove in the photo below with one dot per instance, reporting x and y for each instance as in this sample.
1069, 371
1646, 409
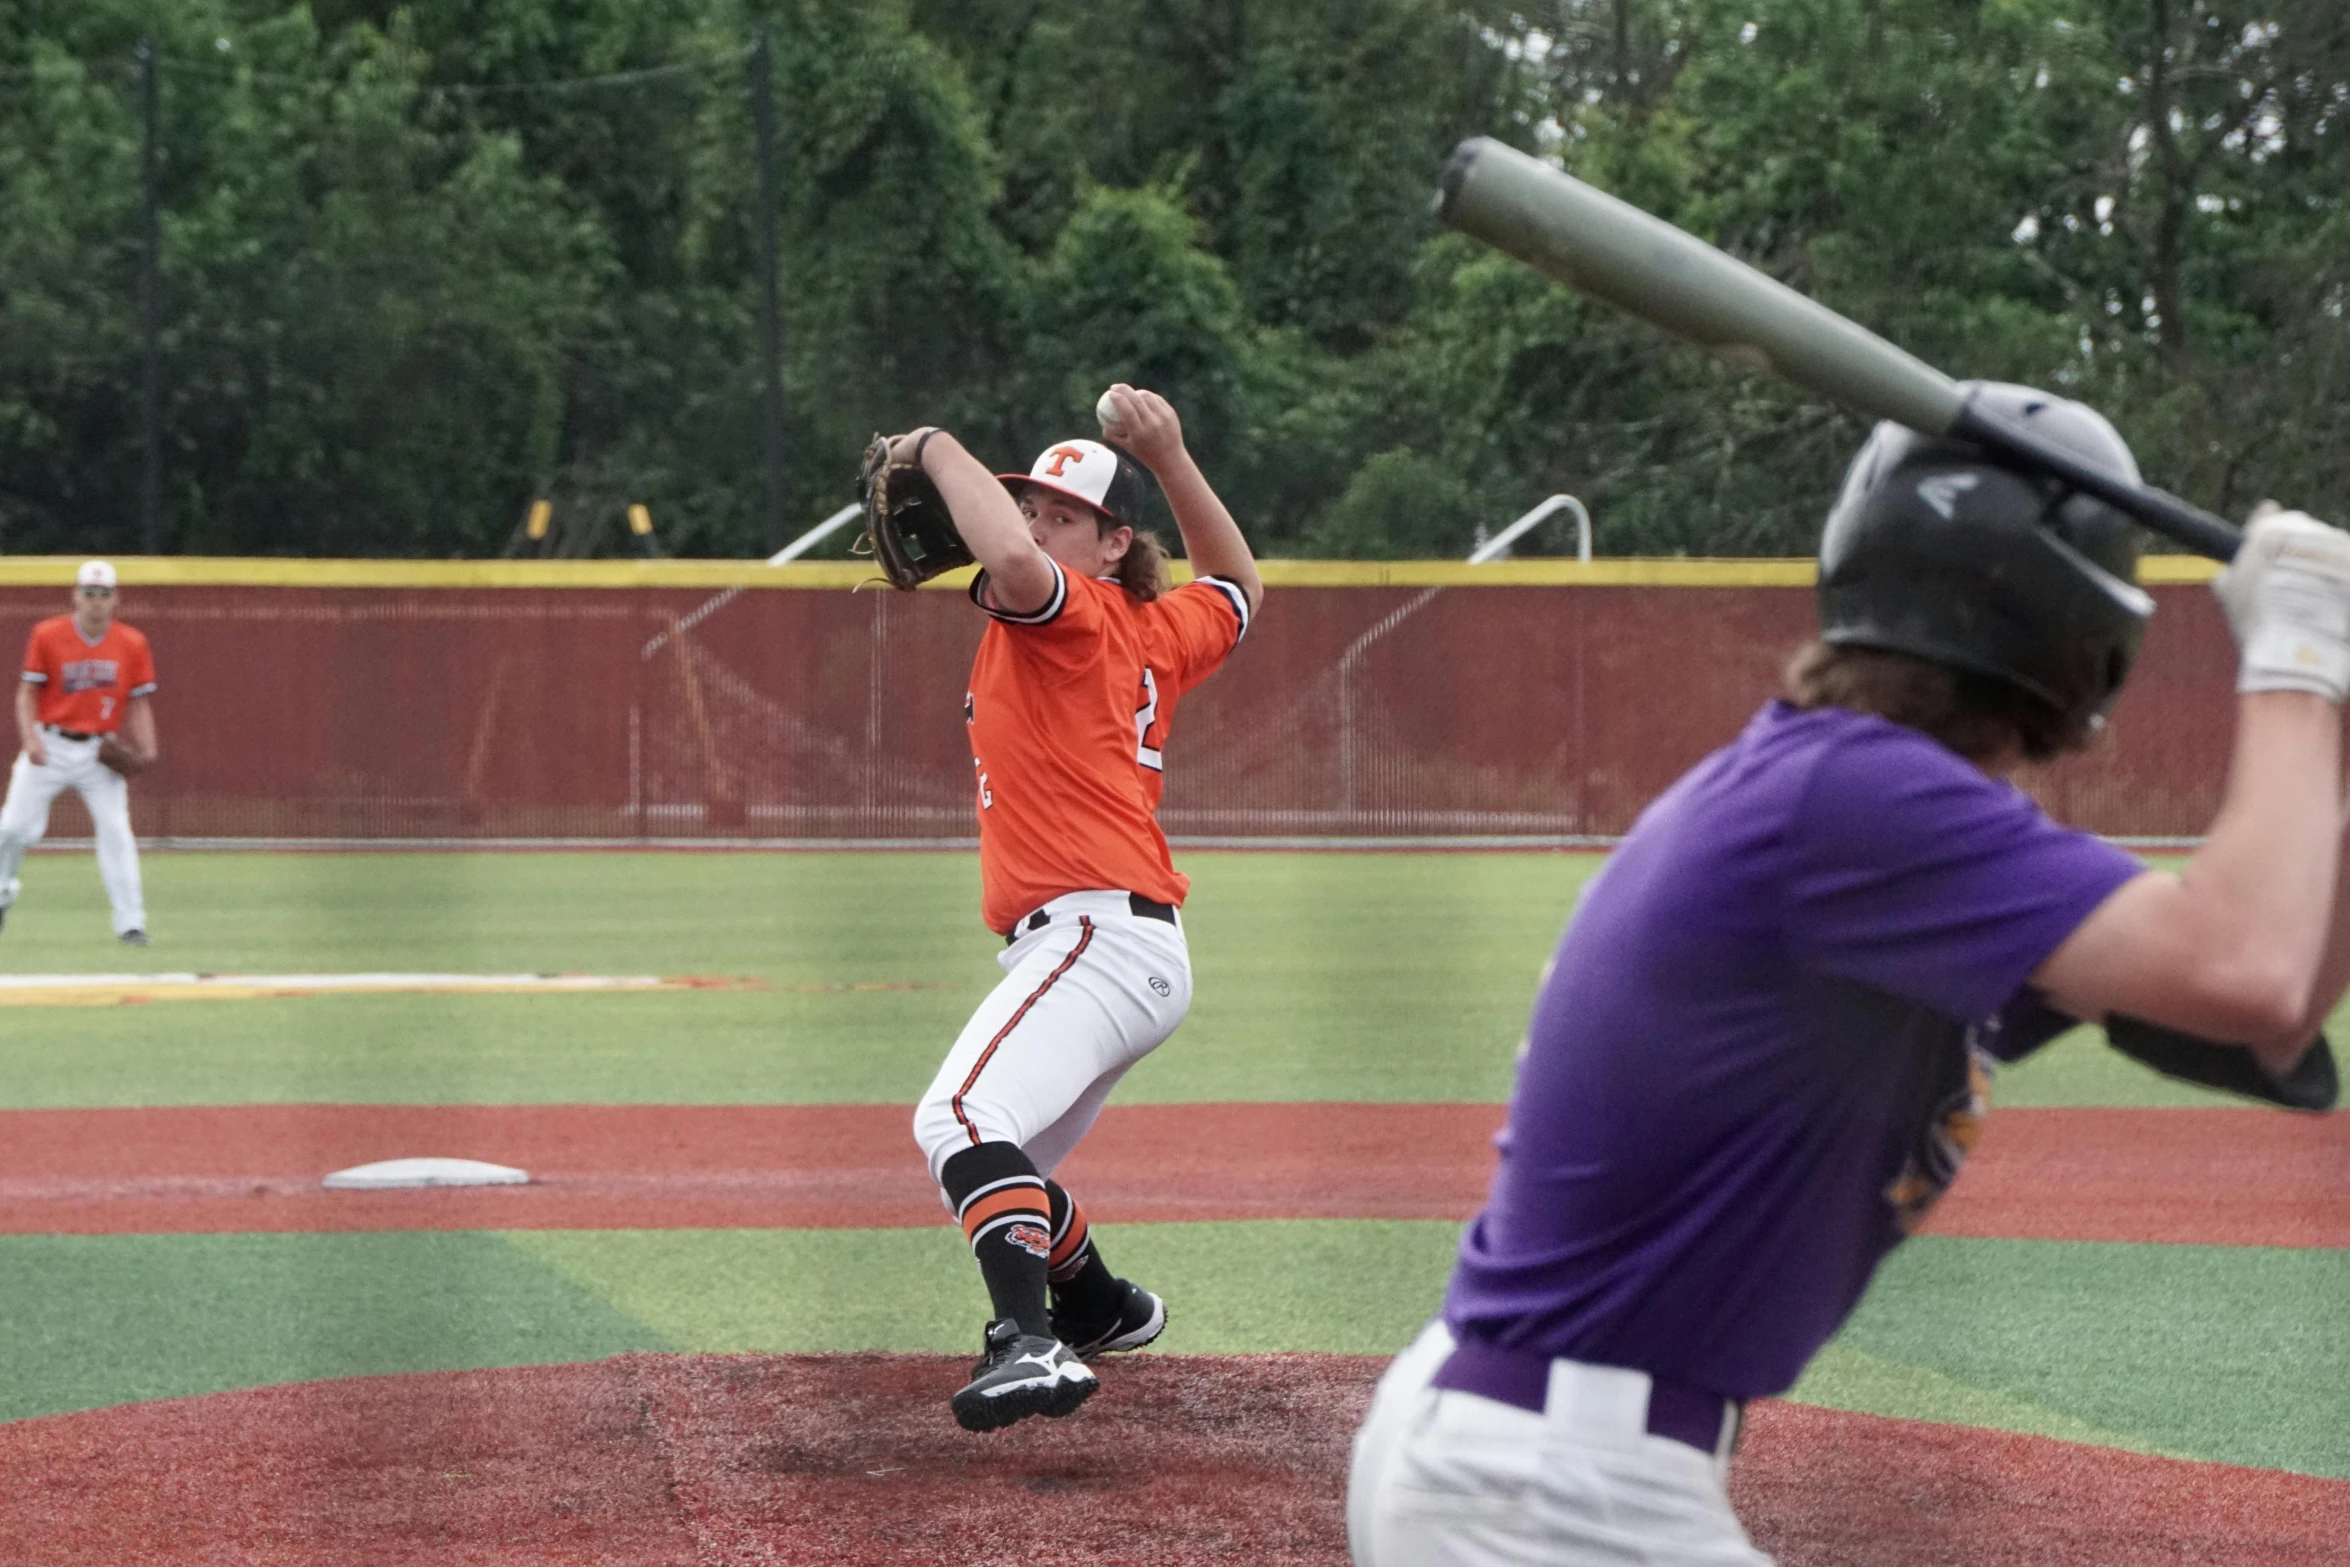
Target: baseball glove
116, 752
908, 531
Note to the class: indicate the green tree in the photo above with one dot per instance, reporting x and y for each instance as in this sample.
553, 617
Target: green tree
1128, 295
69, 186
427, 259
2221, 223
364, 318
1399, 503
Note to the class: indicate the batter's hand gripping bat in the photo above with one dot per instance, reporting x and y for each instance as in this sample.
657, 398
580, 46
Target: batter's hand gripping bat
1590, 241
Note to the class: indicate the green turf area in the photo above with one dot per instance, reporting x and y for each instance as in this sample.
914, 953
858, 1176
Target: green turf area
1233, 1288
2231, 1354
87, 1321
1396, 977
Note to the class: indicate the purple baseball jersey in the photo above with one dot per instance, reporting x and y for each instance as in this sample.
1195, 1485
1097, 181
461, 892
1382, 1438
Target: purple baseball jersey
1764, 1048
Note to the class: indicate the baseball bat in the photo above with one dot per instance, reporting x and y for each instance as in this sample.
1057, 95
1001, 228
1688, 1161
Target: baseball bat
1608, 248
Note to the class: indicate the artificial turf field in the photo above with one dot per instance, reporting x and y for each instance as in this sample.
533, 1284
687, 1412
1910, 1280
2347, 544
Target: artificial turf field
1378, 979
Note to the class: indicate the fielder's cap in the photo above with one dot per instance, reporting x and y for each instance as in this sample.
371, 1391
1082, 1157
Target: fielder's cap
94, 574
1086, 471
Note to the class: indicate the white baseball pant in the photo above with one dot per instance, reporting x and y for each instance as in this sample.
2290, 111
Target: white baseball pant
1450, 1479
1084, 997
24, 818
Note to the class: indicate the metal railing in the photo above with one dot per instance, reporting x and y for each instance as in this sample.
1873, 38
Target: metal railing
1498, 547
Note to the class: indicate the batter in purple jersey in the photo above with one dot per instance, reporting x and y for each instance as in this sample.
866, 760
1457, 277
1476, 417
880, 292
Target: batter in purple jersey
1766, 1043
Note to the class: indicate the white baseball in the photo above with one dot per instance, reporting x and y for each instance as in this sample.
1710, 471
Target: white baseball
1107, 412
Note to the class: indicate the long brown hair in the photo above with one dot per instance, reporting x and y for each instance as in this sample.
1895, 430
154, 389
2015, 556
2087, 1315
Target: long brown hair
1978, 717
1142, 570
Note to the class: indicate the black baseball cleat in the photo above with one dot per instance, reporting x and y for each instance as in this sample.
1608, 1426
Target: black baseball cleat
134, 938
1021, 1375
1141, 1317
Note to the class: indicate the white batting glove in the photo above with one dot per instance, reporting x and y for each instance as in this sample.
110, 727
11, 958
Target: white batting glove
2287, 598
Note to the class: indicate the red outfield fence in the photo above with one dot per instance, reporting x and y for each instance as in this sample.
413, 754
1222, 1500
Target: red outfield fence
1553, 703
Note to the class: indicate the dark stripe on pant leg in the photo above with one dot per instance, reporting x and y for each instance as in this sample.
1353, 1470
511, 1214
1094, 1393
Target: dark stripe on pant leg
1084, 940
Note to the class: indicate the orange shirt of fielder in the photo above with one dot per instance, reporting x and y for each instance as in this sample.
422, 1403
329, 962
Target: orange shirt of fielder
82, 685
1069, 710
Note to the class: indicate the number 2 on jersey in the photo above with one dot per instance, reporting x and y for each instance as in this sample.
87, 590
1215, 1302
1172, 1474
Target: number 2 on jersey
1144, 717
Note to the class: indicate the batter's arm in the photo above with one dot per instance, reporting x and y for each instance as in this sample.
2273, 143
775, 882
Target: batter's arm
28, 724
1212, 541
2333, 972
138, 726
1020, 575
2234, 946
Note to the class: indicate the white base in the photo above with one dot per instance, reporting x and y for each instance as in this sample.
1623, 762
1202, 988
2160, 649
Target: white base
389, 1173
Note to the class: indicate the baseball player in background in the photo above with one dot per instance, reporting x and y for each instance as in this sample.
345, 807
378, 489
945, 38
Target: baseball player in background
87, 676
1765, 1043
1084, 658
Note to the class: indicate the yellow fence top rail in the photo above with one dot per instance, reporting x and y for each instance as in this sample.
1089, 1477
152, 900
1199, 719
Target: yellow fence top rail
252, 572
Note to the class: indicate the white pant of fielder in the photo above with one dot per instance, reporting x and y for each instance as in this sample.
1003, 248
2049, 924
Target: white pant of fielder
1449, 1479
1083, 998
74, 764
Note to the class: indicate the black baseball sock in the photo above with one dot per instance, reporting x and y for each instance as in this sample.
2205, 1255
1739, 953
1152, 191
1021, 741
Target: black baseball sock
1000, 1202
1083, 1286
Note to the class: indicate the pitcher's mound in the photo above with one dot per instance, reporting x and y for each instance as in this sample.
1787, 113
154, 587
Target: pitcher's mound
853, 1461
655, 1460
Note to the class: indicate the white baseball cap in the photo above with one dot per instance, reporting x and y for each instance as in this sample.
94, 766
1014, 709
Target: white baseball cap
1086, 471
94, 574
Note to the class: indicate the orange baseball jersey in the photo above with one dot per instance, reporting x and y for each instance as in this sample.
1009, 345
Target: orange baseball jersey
85, 684
1068, 711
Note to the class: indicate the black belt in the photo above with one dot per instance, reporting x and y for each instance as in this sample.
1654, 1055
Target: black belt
1521, 1377
1146, 908
70, 734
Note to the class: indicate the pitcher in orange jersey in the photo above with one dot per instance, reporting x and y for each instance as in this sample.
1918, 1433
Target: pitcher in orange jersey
86, 676
1085, 655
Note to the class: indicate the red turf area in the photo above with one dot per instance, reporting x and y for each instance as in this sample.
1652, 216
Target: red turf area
2220, 1177
843, 1461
